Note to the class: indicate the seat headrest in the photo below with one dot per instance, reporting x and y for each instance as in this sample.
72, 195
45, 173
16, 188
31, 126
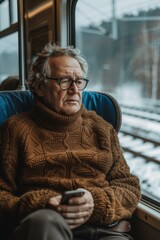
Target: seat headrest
105, 105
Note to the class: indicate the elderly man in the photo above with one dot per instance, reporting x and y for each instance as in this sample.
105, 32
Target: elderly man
60, 146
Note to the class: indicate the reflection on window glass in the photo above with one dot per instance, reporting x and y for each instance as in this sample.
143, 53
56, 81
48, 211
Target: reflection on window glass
9, 56
14, 16
121, 42
4, 15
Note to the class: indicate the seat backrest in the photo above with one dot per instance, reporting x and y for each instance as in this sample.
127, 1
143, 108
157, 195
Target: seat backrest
14, 102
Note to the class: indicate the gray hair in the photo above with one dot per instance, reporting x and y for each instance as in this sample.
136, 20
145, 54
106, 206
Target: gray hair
41, 66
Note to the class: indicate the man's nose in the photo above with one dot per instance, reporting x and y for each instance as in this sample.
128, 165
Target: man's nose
74, 88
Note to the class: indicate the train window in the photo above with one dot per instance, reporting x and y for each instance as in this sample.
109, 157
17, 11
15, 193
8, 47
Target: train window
8, 13
4, 15
14, 15
9, 56
121, 41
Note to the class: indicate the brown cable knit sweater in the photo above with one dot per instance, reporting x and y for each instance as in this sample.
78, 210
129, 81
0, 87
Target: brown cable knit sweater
43, 153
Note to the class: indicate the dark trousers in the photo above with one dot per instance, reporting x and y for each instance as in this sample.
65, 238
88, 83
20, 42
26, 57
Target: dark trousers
47, 224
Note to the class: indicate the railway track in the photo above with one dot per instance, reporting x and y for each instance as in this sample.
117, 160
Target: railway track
140, 141
150, 115
141, 147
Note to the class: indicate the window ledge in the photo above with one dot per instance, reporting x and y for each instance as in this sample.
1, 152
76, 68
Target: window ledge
148, 215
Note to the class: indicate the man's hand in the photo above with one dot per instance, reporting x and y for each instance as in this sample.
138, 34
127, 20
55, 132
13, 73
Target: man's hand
54, 202
77, 211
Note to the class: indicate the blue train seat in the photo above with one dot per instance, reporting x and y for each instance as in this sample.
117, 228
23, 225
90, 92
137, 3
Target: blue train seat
14, 102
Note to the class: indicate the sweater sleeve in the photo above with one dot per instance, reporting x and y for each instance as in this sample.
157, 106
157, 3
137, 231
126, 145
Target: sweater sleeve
120, 198
10, 199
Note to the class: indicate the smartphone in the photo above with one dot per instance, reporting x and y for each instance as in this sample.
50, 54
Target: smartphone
69, 194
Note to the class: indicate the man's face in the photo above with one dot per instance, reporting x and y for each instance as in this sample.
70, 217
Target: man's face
65, 102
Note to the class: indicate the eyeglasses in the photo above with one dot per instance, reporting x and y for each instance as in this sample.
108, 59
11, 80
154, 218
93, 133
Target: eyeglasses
66, 82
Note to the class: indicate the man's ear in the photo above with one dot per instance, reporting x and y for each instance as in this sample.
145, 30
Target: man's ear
39, 89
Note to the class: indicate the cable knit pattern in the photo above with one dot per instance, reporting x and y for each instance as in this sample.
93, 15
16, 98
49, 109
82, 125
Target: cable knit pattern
43, 153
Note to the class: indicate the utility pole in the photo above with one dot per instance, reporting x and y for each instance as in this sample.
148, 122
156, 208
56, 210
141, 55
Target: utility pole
114, 33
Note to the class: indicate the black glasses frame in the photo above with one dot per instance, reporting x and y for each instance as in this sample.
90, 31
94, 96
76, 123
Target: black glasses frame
72, 81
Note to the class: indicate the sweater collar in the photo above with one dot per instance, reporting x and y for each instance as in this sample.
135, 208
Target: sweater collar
51, 120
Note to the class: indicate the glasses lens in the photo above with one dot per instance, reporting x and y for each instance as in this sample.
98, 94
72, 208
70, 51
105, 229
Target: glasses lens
65, 83
81, 84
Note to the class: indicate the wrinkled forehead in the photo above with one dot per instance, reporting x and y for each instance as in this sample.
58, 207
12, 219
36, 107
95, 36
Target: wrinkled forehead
64, 63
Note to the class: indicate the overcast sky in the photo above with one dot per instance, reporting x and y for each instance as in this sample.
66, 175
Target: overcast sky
94, 11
